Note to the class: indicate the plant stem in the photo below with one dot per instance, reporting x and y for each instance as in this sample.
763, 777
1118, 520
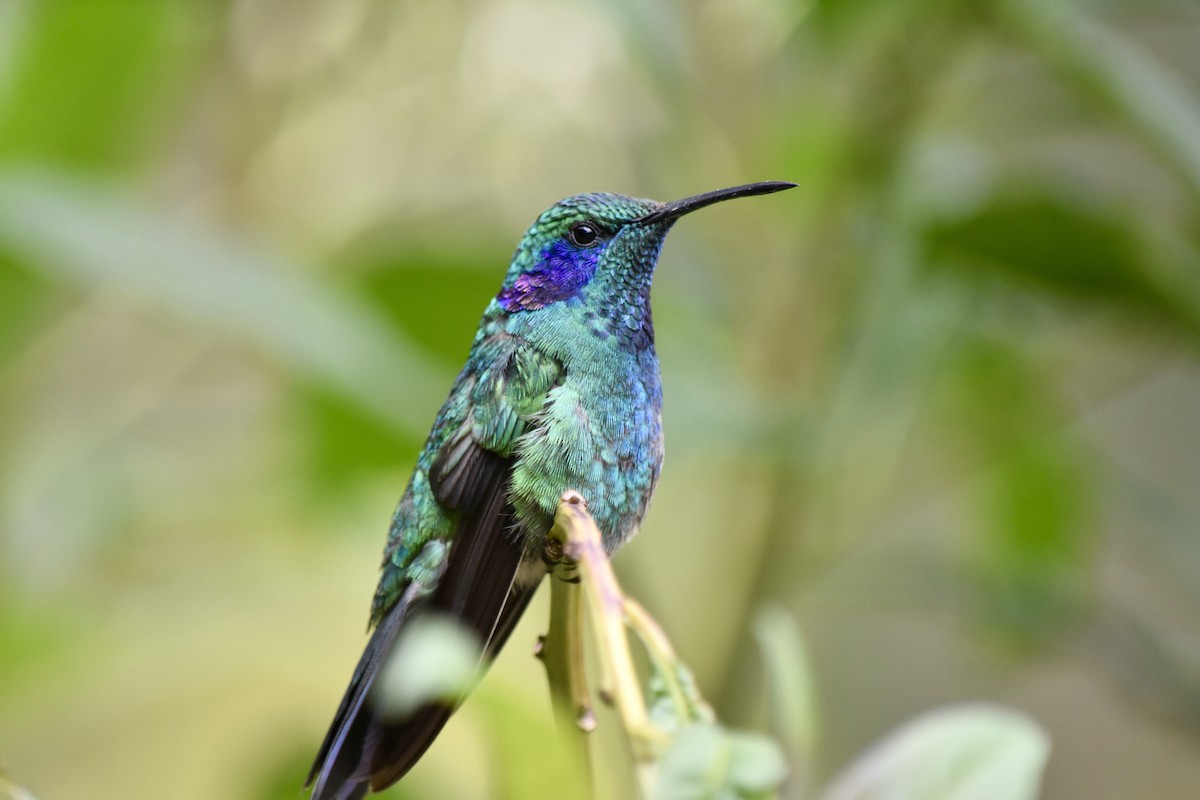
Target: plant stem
574, 547
561, 652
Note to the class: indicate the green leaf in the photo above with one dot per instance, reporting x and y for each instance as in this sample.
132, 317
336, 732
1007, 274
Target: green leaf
791, 690
436, 658
1031, 575
95, 238
342, 445
664, 693
27, 302
1028, 569
1047, 242
88, 76
961, 753
710, 762
436, 297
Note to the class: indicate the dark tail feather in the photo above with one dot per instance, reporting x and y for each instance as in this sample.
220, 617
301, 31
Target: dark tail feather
397, 747
337, 763
365, 748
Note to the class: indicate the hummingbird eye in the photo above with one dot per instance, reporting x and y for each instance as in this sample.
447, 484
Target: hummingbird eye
584, 234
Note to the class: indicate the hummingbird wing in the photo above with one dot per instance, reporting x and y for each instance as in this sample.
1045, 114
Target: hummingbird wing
470, 457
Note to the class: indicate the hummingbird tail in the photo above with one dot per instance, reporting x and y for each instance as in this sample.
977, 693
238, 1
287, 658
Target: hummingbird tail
396, 745
337, 765
367, 748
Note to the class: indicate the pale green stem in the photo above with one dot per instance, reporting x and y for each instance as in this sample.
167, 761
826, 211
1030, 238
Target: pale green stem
574, 545
606, 606
561, 652
688, 705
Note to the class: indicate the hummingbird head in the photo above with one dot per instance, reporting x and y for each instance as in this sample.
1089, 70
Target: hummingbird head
601, 249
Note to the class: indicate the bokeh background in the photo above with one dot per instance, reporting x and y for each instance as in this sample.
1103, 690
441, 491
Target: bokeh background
939, 404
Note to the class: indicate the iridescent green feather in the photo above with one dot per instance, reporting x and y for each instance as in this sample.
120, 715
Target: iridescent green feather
503, 387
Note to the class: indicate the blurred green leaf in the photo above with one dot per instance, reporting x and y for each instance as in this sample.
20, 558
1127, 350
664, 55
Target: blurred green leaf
1031, 573
1048, 243
710, 762
343, 444
87, 79
94, 238
959, 753
33, 643
791, 691
663, 704
15, 24
427, 294
1027, 572
26, 299
436, 658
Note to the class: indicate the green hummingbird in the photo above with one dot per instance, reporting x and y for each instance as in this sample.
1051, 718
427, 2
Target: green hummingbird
561, 390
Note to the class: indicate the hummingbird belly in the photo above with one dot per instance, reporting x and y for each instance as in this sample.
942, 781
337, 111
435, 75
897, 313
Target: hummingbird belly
603, 440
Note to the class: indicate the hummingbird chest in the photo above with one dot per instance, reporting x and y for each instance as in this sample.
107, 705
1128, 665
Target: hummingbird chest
600, 433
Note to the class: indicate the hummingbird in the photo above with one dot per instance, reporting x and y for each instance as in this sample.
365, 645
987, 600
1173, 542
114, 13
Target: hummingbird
561, 390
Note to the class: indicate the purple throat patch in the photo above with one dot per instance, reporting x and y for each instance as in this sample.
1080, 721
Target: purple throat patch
560, 274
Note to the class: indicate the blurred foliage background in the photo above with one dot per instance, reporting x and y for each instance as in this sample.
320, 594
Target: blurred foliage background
939, 403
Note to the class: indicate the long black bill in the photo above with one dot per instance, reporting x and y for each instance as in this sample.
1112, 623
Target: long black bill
690, 204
